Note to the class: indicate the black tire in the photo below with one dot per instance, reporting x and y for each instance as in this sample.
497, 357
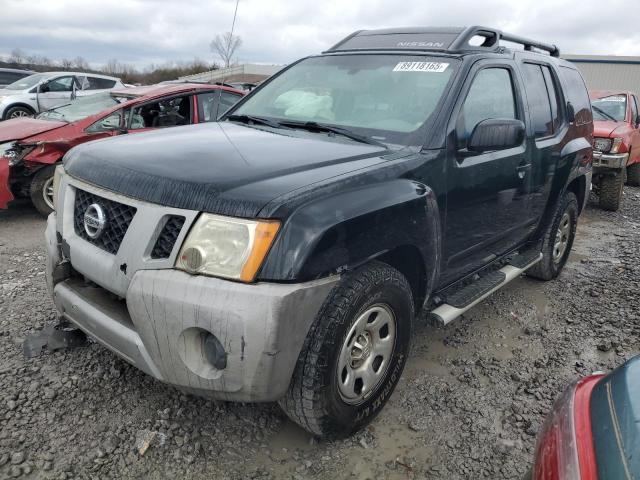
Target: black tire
17, 112
549, 267
633, 175
610, 192
40, 182
314, 399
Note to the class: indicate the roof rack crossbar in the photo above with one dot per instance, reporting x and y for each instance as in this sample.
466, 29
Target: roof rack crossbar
493, 37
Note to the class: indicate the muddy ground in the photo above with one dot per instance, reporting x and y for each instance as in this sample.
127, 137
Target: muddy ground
469, 405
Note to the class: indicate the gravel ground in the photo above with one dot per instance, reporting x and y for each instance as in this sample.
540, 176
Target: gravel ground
469, 405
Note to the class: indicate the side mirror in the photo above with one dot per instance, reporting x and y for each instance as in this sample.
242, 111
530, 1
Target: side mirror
496, 134
571, 112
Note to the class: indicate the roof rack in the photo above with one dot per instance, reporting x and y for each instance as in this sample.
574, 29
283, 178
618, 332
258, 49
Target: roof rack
437, 39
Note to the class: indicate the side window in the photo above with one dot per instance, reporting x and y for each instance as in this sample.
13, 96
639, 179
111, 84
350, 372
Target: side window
538, 100
62, 84
111, 122
490, 96
7, 78
634, 109
169, 112
227, 100
96, 83
556, 103
576, 92
212, 105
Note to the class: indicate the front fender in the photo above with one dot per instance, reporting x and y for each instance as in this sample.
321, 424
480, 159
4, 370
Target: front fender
339, 232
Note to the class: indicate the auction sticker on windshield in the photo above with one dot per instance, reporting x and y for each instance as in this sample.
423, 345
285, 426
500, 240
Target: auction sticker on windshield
435, 67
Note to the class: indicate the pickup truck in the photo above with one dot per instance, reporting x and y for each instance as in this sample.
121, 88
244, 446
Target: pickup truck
282, 254
616, 145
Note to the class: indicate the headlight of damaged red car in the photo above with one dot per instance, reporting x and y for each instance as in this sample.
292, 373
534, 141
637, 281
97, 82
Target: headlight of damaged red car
601, 144
15, 152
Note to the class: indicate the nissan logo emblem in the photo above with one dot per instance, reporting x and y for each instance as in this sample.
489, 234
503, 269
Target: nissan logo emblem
95, 220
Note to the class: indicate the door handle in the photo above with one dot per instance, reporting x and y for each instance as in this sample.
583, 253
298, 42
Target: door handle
522, 169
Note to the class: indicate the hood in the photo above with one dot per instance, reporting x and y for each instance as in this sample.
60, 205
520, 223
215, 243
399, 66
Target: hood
20, 128
221, 168
605, 128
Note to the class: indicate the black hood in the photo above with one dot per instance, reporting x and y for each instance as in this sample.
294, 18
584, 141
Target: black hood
221, 168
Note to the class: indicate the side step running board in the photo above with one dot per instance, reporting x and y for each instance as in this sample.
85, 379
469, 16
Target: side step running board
470, 296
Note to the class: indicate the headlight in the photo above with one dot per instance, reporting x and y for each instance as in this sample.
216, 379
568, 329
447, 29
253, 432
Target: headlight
15, 152
5, 147
57, 176
227, 247
601, 144
615, 146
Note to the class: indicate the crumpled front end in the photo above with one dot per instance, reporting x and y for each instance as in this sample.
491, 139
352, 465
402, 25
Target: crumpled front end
5, 190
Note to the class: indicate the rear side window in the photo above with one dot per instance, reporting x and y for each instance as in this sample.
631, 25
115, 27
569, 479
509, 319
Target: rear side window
490, 96
212, 105
538, 99
634, 109
576, 93
95, 83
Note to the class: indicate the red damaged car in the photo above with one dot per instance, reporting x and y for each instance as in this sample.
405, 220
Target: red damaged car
616, 144
30, 147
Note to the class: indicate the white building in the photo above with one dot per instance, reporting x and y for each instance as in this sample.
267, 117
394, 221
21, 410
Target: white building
246, 73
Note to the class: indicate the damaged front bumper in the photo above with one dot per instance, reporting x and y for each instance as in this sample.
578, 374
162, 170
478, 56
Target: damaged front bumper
161, 325
5, 190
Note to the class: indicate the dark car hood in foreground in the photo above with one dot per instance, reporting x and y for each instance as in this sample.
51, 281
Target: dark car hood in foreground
222, 168
615, 422
19, 128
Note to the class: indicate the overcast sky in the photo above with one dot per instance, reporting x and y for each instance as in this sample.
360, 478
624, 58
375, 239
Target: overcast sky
142, 32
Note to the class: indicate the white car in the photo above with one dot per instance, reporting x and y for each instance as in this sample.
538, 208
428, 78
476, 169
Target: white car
44, 91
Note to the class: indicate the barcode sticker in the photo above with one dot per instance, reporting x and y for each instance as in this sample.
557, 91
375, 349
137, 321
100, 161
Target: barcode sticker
433, 67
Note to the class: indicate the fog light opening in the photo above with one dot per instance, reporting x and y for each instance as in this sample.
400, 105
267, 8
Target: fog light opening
213, 350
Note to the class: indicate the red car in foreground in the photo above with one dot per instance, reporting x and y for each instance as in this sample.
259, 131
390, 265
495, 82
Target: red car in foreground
593, 432
30, 147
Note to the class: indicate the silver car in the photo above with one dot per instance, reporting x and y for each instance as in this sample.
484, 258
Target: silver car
44, 91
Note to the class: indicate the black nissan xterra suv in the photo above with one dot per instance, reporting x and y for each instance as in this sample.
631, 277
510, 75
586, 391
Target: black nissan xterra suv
283, 253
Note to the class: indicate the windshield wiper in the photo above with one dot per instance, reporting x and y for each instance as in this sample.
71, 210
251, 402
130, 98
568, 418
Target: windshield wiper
603, 113
253, 119
345, 132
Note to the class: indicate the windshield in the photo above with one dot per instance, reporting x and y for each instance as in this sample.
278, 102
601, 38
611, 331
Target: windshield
613, 107
83, 107
389, 98
26, 82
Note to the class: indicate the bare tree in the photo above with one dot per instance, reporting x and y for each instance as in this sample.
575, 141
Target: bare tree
80, 63
66, 63
17, 56
225, 47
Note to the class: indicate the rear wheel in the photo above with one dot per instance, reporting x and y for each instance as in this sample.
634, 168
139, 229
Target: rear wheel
633, 175
42, 190
354, 353
558, 240
18, 112
611, 191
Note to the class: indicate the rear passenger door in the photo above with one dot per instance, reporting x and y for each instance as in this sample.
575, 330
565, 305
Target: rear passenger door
488, 193
546, 130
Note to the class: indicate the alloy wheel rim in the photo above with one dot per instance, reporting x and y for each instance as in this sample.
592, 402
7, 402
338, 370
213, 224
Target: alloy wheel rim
562, 238
366, 354
47, 192
19, 114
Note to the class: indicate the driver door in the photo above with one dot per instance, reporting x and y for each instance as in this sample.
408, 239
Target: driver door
488, 192
55, 92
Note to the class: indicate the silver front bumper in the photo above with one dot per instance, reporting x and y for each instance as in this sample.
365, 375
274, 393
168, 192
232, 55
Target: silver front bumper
610, 160
156, 326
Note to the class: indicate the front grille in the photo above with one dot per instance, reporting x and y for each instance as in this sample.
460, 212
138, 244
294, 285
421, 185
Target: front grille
118, 217
168, 236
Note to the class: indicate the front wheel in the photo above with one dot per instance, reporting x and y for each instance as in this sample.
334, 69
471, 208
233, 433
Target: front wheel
557, 240
18, 112
354, 353
610, 192
42, 190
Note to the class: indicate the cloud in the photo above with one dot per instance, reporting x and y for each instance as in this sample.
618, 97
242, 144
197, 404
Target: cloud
142, 32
